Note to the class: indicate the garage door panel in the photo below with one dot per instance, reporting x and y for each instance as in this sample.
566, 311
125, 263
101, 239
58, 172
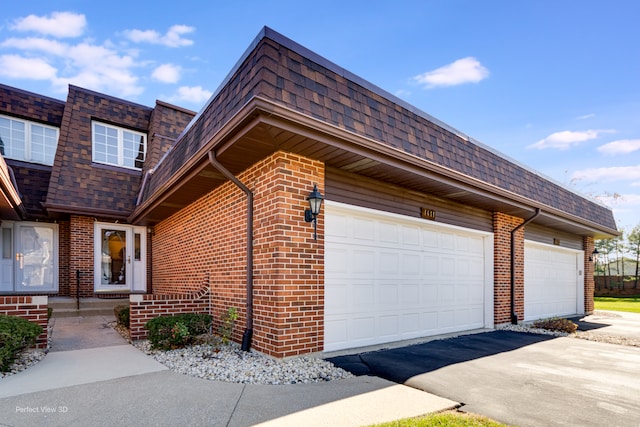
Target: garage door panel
429, 239
410, 264
388, 233
388, 326
389, 263
553, 281
402, 278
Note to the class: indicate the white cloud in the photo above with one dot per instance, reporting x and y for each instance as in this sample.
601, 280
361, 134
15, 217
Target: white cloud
622, 146
173, 37
167, 73
102, 69
465, 70
566, 139
59, 24
39, 44
608, 174
192, 94
18, 67
586, 116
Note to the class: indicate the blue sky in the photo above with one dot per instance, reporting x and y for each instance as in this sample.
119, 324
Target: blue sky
552, 84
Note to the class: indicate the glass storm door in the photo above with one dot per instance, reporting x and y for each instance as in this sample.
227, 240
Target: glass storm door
6, 257
36, 257
119, 258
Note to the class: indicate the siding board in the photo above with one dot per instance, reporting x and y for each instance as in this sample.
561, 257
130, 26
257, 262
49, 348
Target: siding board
353, 189
538, 233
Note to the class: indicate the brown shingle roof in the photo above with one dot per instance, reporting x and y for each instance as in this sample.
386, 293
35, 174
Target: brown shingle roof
282, 71
77, 184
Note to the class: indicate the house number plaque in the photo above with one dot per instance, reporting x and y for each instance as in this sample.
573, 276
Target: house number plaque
428, 214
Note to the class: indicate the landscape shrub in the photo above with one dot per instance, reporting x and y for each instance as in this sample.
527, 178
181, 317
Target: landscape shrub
196, 323
122, 314
556, 324
229, 318
16, 334
169, 332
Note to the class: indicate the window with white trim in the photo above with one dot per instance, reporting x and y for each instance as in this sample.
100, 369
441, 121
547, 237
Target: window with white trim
117, 146
28, 141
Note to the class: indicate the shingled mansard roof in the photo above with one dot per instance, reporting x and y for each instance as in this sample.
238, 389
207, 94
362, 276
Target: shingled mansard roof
281, 96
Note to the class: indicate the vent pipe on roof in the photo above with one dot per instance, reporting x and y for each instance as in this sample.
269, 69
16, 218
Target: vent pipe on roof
514, 316
248, 332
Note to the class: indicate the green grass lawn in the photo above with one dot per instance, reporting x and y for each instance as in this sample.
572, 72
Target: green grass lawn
630, 304
455, 419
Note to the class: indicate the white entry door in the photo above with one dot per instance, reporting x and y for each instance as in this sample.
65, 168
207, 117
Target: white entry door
29, 257
120, 261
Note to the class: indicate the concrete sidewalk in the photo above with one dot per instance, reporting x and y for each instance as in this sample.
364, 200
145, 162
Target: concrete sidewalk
115, 384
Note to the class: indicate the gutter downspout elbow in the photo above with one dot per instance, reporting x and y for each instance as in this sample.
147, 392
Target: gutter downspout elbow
514, 316
248, 333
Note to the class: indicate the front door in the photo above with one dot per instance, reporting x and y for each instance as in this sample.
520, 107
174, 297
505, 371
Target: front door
28, 257
120, 262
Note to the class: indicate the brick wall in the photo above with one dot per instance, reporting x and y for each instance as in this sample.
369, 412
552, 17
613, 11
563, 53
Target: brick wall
81, 249
503, 224
589, 269
146, 307
208, 238
64, 259
32, 308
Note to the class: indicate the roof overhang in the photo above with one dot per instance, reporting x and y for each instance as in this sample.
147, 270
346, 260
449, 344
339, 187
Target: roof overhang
11, 206
263, 127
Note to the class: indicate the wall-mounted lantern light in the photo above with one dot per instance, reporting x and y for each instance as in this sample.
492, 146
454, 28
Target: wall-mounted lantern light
594, 255
311, 215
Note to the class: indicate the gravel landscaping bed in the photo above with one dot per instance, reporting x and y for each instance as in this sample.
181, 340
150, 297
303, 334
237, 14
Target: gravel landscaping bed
215, 361
227, 362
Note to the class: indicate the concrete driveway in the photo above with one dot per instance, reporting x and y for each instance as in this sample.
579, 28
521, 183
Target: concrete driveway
518, 378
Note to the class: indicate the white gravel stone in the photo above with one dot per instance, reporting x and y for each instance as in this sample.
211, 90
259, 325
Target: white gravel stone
229, 363
25, 359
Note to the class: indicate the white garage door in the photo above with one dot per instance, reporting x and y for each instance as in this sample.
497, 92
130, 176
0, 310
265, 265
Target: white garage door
390, 277
553, 281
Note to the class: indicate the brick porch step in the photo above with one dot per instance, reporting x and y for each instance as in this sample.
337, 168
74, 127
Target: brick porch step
67, 306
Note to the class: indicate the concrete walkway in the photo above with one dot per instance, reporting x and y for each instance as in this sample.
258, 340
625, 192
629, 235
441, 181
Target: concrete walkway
92, 376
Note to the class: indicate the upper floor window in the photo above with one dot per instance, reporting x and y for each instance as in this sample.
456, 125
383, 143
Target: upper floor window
28, 141
117, 146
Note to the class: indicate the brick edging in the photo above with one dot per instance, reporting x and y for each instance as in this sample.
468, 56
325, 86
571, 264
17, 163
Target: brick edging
143, 308
32, 308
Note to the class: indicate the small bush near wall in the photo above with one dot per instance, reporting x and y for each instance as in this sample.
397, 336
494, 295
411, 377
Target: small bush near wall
169, 332
121, 312
556, 324
16, 334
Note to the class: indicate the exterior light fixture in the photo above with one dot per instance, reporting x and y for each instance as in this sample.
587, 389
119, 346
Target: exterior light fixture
594, 255
311, 215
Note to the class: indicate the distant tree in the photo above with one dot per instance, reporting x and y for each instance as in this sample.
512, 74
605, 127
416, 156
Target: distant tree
619, 247
634, 248
605, 247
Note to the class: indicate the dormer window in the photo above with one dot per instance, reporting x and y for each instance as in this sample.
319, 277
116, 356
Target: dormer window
117, 146
28, 141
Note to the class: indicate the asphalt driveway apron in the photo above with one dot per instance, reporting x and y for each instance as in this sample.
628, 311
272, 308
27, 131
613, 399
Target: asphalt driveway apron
518, 378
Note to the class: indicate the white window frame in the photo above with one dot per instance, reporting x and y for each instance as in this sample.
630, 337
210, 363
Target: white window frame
28, 141
120, 148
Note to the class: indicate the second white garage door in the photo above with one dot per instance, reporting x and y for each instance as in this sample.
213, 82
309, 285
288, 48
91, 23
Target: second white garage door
553, 281
390, 277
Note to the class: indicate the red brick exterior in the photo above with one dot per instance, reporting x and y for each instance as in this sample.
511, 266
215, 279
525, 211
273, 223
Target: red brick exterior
143, 308
589, 270
208, 239
81, 247
32, 308
503, 224
64, 259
